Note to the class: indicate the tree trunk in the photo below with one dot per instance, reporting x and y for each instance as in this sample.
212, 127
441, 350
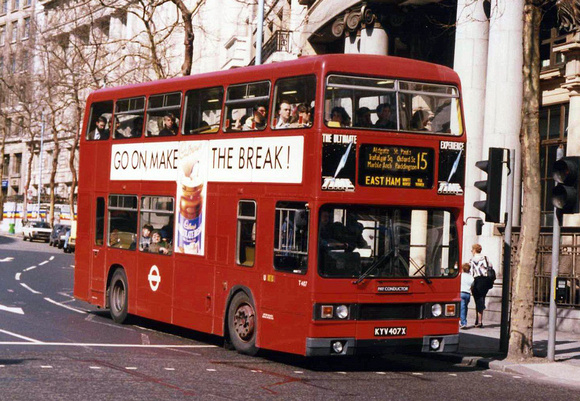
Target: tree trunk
187, 17
4, 133
28, 179
522, 315
55, 154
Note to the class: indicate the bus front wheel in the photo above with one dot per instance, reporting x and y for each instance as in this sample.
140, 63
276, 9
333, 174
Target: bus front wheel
242, 324
118, 296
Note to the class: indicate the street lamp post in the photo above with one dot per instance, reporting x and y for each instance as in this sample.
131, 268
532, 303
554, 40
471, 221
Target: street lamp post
40, 161
260, 32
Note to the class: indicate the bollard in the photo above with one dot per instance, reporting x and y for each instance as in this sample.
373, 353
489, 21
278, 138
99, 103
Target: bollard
11, 228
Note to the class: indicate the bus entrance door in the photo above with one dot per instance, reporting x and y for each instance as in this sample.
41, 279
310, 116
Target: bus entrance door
98, 272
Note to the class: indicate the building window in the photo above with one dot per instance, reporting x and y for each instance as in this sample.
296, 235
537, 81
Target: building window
16, 6
16, 163
2, 35
291, 237
5, 166
98, 129
294, 100
553, 135
14, 32
24, 60
246, 233
26, 28
3, 7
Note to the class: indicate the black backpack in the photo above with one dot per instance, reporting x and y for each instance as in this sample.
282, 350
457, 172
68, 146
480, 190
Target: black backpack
490, 274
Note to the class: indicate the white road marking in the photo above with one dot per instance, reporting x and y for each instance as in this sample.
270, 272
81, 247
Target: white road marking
43, 263
17, 276
211, 370
298, 372
131, 368
145, 339
169, 368
29, 268
32, 340
341, 373
517, 377
65, 294
453, 374
417, 374
256, 371
379, 373
45, 367
10, 291
7, 259
66, 307
30, 289
99, 345
10, 309
487, 376
95, 367
2, 366
51, 258
72, 266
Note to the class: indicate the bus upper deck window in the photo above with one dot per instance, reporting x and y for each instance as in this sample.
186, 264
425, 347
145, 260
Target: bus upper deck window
163, 113
129, 118
429, 108
247, 107
99, 121
203, 110
294, 101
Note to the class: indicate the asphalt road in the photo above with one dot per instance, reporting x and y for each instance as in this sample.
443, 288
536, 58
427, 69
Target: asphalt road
53, 347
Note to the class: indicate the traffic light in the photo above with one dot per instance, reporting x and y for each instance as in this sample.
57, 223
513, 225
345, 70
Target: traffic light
492, 186
565, 192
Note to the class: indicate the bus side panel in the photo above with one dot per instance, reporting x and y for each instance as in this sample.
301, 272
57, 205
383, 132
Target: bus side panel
192, 292
83, 248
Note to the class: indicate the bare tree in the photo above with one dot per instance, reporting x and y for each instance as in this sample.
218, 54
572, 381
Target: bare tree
187, 17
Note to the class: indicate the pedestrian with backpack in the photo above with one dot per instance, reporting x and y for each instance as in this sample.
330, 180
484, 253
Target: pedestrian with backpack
482, 283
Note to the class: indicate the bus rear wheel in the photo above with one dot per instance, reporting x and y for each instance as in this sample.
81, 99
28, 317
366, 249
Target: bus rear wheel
118, 296
242, 324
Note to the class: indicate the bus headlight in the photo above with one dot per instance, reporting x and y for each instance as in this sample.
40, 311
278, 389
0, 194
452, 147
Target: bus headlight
436, 310
342, 311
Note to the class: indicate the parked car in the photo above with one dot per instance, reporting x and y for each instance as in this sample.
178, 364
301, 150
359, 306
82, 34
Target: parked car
62, 238
36, 230
55, 234
69, 247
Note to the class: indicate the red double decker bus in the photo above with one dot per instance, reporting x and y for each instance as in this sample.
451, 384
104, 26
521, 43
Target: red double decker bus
312, 207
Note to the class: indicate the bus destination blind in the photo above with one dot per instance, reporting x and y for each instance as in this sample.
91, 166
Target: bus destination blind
395, 166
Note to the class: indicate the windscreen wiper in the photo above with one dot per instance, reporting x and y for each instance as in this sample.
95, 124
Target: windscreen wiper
372, 267
420, 270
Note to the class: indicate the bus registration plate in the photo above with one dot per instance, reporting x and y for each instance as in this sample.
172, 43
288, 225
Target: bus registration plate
390, 331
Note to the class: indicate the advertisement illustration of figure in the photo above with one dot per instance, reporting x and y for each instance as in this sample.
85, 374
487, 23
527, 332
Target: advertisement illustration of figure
191, 197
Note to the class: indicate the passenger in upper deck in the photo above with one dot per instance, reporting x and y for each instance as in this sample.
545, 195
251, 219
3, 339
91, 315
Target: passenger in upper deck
421, 120
303, 119
363, 118
137, 127
169, 125
340, 116
284, 115
258, 119
384, 114
100, 133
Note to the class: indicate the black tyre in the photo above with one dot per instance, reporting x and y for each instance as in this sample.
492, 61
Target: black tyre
23, 237
242, 326
119, 296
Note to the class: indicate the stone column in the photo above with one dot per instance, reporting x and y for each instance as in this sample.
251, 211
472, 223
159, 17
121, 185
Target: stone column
503, 103
374, 40
471, 42
571, 48
352, 44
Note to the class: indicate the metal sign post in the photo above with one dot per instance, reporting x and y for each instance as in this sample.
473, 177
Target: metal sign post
553, 276
507, 253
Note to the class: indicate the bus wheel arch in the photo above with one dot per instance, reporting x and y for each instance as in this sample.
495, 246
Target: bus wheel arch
118, 294
241, 321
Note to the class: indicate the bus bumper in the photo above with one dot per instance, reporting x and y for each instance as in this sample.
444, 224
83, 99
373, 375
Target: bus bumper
351, 346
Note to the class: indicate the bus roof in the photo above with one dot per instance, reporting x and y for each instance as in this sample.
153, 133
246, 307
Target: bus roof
358, 64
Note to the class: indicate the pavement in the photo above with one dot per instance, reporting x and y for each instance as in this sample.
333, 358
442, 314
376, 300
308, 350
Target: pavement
480, 347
